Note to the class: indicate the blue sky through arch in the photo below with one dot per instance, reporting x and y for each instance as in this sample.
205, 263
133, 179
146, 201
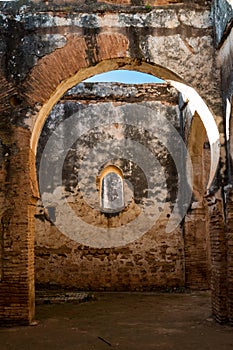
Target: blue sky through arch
124, 76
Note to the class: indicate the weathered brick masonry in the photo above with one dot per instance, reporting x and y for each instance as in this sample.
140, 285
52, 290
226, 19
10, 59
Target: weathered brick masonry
49, 47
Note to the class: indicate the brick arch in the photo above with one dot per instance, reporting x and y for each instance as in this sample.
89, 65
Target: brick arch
79, 59
59, 71
69, 62
64, 85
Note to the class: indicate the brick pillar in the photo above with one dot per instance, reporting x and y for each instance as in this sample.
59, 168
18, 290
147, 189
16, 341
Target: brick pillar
17, 220
218, 259
196, 247
229, 239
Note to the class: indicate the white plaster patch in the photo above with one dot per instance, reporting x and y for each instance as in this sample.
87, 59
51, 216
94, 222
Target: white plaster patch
195, 19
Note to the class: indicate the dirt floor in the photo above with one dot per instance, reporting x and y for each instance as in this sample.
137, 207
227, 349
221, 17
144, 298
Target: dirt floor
124, 321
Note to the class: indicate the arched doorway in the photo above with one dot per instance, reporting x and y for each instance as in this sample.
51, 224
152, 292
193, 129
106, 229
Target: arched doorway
188, 92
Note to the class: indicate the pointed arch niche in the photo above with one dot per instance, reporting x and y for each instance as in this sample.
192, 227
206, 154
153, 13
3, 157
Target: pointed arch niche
111, 190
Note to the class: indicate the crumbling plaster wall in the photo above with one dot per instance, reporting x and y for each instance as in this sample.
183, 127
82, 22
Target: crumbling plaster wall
156, 260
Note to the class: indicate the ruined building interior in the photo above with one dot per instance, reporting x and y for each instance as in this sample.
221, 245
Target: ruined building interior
115, 186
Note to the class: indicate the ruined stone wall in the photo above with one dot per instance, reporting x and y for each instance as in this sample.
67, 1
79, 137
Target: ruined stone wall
156, 259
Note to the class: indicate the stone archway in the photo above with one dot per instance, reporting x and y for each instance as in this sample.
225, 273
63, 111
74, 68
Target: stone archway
49, 106
189, 93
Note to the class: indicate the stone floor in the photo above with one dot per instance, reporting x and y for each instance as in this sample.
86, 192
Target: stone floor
124, 321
